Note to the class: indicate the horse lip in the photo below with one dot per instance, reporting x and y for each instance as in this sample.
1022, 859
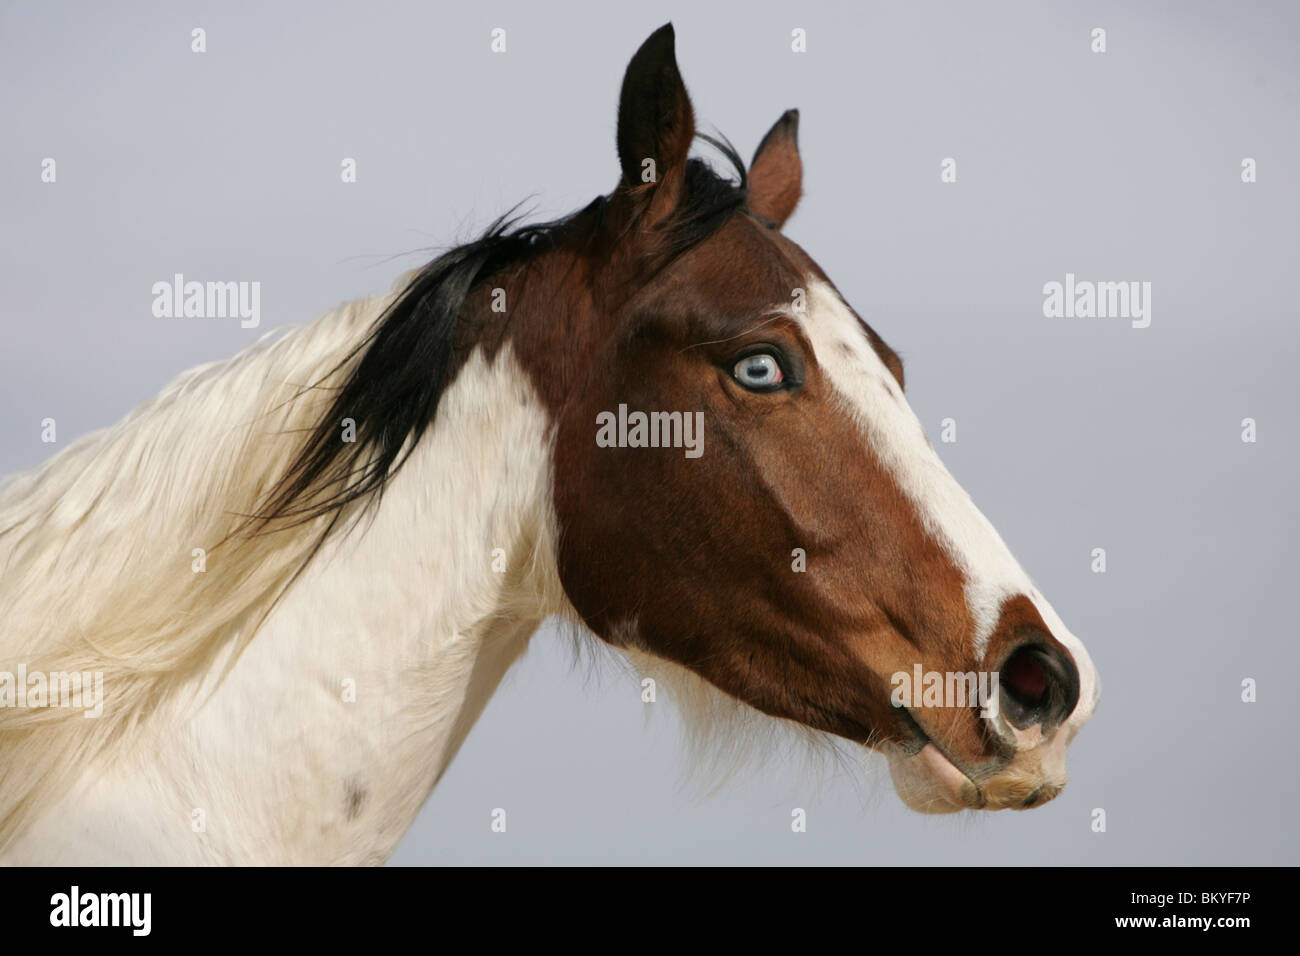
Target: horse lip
972, 796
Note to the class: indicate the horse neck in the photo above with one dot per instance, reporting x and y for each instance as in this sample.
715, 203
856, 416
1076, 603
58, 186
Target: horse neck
333, 725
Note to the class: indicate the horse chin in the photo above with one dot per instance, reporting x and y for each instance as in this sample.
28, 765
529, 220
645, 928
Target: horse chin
928, 782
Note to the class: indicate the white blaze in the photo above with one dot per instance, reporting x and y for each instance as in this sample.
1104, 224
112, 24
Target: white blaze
873, 398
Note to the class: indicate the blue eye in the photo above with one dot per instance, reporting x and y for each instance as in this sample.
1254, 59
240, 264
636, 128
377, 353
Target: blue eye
760, 371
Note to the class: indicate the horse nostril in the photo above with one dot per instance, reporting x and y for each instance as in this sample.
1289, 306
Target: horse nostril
1040, 685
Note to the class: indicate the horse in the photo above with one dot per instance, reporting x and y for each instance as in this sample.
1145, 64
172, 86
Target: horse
302, 572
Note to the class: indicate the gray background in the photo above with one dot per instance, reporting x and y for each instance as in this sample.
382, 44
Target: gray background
1073, 434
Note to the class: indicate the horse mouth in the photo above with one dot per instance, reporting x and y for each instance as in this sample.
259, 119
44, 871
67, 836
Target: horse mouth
926, 778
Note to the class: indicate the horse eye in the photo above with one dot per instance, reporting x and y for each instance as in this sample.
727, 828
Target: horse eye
759, 372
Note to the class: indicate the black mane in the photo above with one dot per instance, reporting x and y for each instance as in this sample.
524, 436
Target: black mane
408, 358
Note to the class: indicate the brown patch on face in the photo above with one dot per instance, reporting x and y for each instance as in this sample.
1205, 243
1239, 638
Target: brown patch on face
700, 553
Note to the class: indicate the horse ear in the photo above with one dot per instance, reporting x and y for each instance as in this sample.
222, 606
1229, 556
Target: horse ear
655, 124
776, 173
